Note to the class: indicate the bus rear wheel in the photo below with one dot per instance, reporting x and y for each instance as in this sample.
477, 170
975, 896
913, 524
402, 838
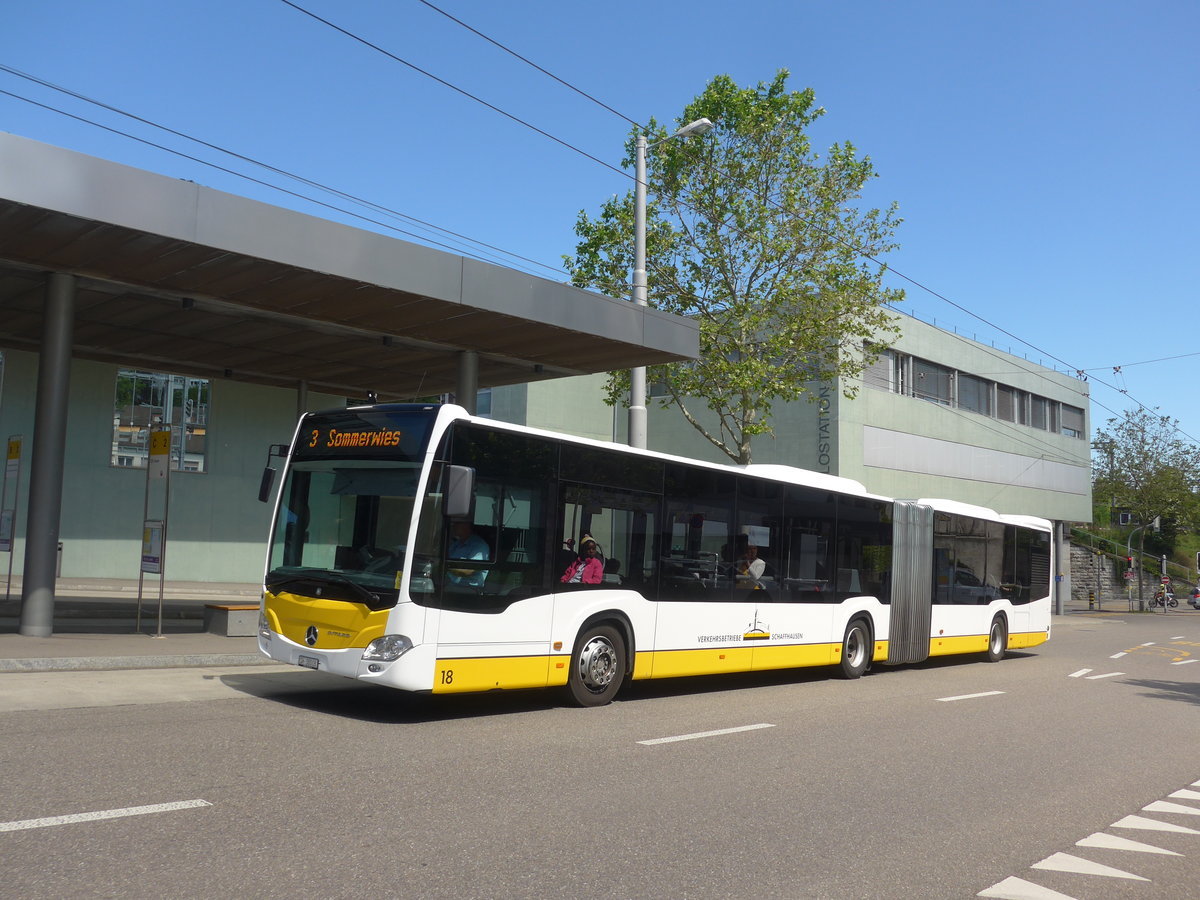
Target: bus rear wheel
856, 649
997, 640
597, 666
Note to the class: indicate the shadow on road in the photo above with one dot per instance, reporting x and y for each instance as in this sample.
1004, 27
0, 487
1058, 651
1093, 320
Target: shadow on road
336, 696
1187, 692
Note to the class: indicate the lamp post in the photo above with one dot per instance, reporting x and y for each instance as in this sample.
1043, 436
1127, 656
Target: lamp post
637, 377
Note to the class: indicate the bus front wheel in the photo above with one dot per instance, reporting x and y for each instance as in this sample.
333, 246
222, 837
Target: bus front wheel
997, 640
856, 649
597, 666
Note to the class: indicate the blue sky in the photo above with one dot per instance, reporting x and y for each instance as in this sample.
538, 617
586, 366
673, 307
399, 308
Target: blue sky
1043, 154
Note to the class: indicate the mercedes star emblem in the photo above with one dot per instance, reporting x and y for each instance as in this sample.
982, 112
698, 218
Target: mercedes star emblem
310, 636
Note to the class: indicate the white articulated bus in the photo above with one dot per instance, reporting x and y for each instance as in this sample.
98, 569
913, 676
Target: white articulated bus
702, 568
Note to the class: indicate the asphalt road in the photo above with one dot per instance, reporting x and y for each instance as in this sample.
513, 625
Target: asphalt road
281, 782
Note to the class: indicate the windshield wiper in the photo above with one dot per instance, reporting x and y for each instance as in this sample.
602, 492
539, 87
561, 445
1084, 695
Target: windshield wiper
318, 580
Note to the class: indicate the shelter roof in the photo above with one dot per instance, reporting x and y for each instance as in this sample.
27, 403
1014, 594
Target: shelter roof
184, 278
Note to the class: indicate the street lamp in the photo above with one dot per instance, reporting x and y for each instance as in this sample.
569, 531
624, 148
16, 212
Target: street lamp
637, 377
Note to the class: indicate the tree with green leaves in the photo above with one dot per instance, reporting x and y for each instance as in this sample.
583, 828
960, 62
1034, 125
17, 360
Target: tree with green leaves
753, 235
1145, 467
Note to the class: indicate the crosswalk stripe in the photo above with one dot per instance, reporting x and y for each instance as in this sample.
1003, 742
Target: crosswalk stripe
1013, 888
1112, 842
74, 818
1186, 795
1164, 806
1141, 822
1065, 862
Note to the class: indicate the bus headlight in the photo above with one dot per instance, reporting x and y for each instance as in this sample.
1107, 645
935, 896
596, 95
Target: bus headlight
264, 630
388, 648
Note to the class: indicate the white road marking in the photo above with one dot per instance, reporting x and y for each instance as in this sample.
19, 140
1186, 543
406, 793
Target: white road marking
1148, 644
1065, 862
1105, 675
1080, 672
1020, 889
1185, 795
1141, 822
1112, 842
1164, 806
102, 814
969, 696
1179, 637
704, 734
1184, 662
1118, 655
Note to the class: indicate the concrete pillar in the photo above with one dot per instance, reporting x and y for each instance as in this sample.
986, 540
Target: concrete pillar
467, 393
1062, 555
47, 458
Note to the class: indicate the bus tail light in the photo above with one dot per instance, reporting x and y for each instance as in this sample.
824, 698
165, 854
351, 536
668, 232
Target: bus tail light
388, 648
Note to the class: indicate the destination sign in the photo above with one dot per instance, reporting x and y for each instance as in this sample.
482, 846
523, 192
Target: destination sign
348, 439
395, 433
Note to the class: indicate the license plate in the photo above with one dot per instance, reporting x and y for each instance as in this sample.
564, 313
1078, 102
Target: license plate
309, 662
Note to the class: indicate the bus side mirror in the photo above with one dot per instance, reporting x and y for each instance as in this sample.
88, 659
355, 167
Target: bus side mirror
264, 486
268, 475
460, 491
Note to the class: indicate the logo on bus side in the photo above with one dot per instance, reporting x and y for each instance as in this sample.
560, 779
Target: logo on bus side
310, 636
756, 630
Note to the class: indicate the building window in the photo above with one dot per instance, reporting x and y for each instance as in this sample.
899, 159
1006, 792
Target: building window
483, 402
900, 373
881, 374
1006, 403
1072, 421
931, 381
1039, 408
145, 400
974, 394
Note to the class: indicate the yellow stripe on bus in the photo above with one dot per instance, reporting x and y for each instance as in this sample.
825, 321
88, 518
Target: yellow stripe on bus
453, 676
456, 676
978, 643
794, 656
681, 663
1027, 639
713, 661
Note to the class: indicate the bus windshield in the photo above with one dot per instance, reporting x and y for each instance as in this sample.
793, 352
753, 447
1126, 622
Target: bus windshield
341, 532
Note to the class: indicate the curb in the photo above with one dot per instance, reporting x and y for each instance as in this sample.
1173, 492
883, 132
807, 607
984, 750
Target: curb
97, 663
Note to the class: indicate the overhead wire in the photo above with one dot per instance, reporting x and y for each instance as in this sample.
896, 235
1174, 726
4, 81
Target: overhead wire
858, 250
453, 87
283, 172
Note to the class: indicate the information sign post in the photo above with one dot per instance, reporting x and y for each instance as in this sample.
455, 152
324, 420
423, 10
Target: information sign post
9, 493
154, 531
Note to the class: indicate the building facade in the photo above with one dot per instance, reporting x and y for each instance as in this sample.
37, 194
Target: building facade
938, 415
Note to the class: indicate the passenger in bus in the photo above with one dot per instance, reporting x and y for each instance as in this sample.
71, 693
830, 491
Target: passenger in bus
587, 567
750, 567
466, 544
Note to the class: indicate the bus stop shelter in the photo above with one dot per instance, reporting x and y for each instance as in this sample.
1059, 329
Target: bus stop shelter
106, 262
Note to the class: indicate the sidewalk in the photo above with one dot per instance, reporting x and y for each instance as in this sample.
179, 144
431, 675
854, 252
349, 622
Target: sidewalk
95, 628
